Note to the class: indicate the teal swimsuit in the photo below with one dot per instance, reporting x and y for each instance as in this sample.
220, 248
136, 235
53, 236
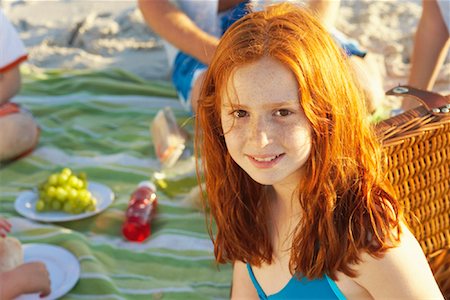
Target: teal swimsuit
301, 289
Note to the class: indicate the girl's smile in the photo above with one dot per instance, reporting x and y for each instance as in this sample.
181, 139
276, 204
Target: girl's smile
265, 161
266, 132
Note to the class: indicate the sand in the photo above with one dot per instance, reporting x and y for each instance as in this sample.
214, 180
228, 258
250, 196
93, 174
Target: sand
77, 34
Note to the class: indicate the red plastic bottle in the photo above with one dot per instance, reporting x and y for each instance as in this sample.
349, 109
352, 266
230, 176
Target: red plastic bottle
140, 211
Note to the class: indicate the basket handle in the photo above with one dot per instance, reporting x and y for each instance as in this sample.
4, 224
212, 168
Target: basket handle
433, 102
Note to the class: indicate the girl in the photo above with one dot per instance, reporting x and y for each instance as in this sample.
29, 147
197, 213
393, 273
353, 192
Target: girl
293, 171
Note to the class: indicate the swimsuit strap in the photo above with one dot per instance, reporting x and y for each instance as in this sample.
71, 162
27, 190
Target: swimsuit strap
301, 288
260, 291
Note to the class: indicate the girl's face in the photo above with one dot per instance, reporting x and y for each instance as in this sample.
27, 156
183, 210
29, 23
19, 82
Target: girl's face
266, 131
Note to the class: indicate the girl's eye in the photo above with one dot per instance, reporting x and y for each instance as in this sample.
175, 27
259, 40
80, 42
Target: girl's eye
283, 113
240, 113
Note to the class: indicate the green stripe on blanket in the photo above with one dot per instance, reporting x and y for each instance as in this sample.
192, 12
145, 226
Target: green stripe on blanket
95, 130
110, 82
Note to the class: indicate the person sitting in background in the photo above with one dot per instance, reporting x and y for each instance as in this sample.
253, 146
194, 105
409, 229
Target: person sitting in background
431, 45
19, 132
192, 29
25, 278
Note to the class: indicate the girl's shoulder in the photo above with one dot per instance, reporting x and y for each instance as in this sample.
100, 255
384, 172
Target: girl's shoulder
402, 272
242, 286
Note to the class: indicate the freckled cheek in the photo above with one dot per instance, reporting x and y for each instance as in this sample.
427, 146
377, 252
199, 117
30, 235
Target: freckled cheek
297, 138
234, 135
227, 124
234, 146
235, 140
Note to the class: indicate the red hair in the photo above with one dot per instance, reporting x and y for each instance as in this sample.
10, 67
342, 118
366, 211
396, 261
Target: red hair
347, 203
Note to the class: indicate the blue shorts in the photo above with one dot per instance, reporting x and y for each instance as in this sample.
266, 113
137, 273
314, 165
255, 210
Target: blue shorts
185, 71
186, 68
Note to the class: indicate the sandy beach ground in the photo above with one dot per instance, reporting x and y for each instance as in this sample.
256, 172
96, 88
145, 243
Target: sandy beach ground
77, 34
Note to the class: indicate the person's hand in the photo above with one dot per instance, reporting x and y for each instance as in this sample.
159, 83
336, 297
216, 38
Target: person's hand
5, 227
27, 278
36, 278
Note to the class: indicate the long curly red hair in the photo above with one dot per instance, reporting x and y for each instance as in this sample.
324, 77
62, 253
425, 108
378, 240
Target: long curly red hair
347, 203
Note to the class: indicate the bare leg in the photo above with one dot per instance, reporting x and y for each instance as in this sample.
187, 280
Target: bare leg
19, 134
326, 10
430, 47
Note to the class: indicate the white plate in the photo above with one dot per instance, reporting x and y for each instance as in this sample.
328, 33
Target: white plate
63, 268
26, 205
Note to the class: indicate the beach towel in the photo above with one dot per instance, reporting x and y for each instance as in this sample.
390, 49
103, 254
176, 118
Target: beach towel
97, 122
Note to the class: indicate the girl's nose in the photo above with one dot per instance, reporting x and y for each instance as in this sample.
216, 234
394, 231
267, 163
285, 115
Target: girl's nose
260, 133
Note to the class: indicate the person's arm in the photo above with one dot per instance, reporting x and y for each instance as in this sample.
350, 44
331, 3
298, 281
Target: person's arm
27, 278
242, 287
402, 273
9, 84
430, 46
178, 29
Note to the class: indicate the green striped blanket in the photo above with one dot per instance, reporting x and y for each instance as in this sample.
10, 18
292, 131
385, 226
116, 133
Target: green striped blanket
98, 122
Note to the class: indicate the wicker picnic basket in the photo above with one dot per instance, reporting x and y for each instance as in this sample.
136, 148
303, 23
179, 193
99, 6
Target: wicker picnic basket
417, 147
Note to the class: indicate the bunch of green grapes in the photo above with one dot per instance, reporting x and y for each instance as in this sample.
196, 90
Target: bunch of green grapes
67, 192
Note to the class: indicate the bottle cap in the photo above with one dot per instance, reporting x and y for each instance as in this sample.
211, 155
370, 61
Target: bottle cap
148, 184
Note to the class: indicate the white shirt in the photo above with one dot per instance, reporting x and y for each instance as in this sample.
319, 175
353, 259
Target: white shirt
12, 49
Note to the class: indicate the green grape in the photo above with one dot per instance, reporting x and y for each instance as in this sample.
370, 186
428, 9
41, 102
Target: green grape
40, 205
73, 181
51, 192
56, 205
81, 184
85, 202
53, 179
75, 203
66, 171
47, 200
65, 191
61, 193
62, 179
73, 194
68, 207
77, 209
83, 194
